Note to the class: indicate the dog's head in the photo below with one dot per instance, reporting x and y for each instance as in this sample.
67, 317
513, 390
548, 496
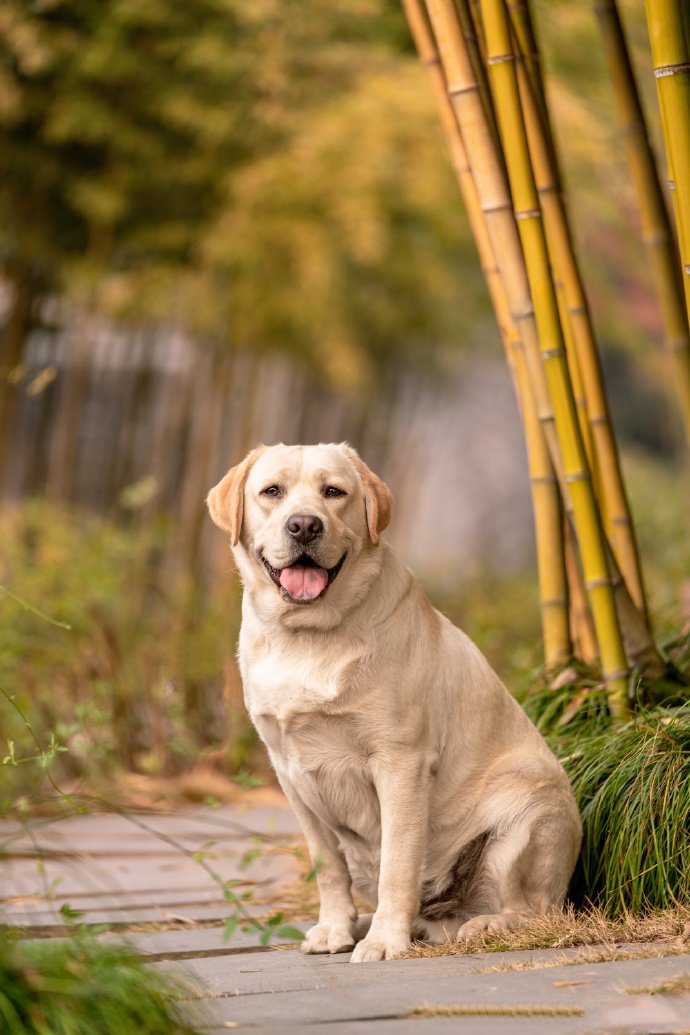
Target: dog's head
299, 518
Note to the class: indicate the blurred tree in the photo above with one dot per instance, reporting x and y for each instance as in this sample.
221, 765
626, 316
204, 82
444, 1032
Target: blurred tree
115, 132
152, 166
341, 244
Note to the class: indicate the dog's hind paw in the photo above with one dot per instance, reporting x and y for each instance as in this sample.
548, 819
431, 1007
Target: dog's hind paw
339, 937
491, 923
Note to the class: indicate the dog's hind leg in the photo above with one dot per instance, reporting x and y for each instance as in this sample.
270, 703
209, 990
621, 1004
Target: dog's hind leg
524, 871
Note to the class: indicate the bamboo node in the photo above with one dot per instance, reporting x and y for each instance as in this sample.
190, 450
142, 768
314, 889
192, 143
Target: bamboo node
553, 353
506, 207
577, 310
458, 91
529, 213
666, 70
598, 583
430, 62
500, 59
580, 476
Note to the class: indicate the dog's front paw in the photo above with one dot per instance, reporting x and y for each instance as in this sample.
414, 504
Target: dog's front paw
335, 937
371, 950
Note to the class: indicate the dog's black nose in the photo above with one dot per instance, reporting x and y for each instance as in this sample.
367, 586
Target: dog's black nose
304, 527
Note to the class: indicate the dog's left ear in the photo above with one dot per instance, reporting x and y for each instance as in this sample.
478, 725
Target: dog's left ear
377, 496
226, 499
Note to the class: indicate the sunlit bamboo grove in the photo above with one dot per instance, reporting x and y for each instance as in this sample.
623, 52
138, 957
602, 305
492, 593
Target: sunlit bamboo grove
485, 67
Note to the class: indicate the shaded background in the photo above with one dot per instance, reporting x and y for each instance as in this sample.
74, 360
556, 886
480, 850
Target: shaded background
224, 223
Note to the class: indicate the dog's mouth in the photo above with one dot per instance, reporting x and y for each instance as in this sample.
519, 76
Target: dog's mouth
304, 580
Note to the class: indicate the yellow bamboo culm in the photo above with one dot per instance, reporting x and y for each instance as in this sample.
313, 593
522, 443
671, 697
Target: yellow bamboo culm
528, 49
583, 353
668, 33
590, 537
548, 532
581, 628
657, 234
494, 200
553, 590
494, 196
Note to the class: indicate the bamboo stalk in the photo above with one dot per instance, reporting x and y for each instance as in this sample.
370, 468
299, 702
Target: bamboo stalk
494, 200
502, 71
581, 627
495, 204
497, 207
548, 532
657, 235
583, 354
544, 488
668, 33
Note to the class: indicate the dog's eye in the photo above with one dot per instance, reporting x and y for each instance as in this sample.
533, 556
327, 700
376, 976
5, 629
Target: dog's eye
333, 491
273, 491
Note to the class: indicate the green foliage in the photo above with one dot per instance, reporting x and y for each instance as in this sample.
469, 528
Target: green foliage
577, 707
501, 615
114, 127
660, 501
357, 214
632, 784
78, 987
122, 684
271, 175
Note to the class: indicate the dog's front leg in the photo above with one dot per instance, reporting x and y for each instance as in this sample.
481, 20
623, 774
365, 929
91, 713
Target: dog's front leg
402, 789
335, 931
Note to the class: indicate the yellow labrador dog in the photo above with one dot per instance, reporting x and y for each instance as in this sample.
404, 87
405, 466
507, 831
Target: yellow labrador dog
418, 780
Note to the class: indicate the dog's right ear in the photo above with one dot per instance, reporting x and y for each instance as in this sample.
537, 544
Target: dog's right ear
226, 499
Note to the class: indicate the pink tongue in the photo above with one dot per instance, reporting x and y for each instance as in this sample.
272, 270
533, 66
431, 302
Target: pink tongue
303, 583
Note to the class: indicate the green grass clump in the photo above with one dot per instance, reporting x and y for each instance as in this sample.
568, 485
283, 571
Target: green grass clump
632, 784
79, 987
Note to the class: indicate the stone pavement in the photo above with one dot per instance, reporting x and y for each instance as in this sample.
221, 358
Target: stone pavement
116, 869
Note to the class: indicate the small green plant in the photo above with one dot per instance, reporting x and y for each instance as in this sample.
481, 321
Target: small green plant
81, 986
106, 650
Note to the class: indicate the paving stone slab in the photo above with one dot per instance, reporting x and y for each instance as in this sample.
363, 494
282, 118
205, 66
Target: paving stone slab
159, 914
153, 874
190, 943
108, 832
116, 900
450, 1026
426, 1026
120, 874
284, 987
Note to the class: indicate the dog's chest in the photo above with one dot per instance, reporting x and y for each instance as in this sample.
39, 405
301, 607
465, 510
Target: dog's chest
316, 742
325, 758
284, 686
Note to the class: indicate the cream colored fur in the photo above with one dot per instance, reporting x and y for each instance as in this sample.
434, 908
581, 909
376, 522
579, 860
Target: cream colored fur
392, 737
